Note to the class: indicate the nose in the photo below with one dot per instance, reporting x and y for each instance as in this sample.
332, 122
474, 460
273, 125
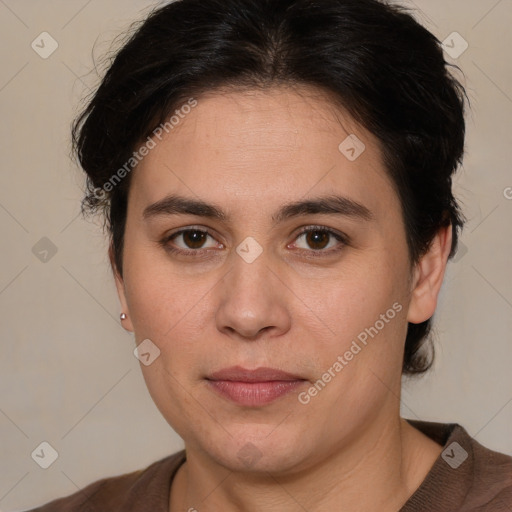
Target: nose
253, 301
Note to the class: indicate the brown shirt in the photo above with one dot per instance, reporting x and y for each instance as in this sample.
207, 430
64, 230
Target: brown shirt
467, 477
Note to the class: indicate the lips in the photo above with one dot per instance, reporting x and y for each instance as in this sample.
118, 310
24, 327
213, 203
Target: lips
253, 388
239, 374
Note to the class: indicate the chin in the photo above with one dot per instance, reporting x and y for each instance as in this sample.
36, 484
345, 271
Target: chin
254, 450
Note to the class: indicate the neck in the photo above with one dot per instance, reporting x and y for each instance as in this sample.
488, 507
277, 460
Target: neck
378, 470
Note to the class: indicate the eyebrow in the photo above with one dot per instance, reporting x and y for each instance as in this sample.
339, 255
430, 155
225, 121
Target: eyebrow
332, 204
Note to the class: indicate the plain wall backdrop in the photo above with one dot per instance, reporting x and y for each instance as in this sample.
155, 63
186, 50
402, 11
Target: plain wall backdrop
68, 373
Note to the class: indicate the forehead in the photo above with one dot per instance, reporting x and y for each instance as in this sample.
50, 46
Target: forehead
271, 145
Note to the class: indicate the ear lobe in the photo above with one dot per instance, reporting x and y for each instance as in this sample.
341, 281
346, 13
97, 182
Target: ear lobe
127, 322
428, 277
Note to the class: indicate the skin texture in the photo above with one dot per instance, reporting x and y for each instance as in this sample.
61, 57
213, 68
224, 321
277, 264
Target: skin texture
249, 152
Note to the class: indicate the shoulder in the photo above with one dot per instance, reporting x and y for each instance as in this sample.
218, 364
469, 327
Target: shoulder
148, 487
466, 477
492, 478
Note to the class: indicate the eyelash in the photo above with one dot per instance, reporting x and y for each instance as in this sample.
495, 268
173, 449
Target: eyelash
197, 253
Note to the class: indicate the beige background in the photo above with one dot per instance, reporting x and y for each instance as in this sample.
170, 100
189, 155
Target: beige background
69, 376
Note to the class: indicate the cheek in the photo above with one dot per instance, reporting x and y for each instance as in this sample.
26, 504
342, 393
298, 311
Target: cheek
160, 299
365, 312
354, 298
359, 359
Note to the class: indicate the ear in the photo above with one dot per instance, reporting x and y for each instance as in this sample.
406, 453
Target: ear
127, 322
428, 277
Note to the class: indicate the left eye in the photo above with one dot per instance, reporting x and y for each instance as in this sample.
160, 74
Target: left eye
318, 239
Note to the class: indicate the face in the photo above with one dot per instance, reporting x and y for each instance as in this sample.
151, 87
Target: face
320, 291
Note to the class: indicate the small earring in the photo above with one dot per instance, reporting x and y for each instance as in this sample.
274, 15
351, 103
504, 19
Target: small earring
123, 316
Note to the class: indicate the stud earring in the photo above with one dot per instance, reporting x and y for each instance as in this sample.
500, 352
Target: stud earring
123, 316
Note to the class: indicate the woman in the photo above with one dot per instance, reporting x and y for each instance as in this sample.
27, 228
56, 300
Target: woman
276, 176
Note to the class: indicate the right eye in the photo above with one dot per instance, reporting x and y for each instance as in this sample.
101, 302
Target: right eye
192, 242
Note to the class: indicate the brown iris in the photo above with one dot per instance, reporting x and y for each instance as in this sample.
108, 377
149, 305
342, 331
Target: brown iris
194, 239
315, 237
